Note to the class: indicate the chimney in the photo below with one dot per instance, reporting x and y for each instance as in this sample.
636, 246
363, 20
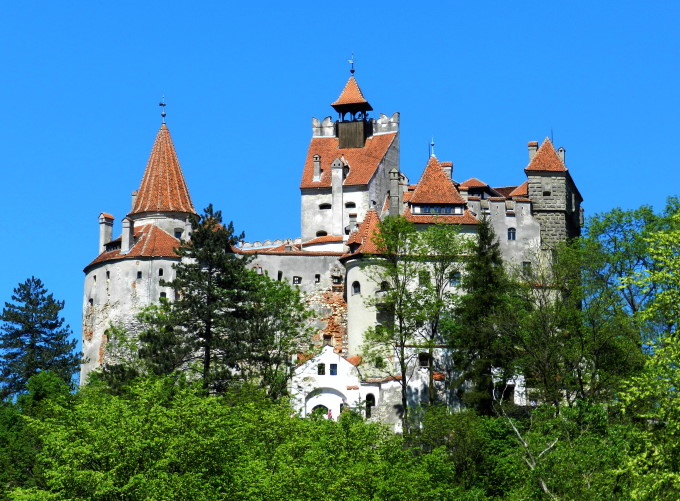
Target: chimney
395, 193
447, 167
561, 153
317, 168
105, 230
533, 148
134, 199
352, 222
128, 235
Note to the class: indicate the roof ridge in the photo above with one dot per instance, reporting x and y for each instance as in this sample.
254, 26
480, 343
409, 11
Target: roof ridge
435, 186
163, 188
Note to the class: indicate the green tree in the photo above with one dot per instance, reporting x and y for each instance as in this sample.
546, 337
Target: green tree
396, 266
33, 338
481, 349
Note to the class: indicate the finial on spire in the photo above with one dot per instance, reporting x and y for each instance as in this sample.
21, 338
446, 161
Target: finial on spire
351, 62
432, 148
162, 105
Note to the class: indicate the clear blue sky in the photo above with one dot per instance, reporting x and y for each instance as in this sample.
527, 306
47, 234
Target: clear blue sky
81, 82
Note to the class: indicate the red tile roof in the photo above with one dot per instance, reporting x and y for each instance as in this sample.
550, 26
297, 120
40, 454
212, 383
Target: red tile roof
163, 188
363, 162
363, 235
473, 182
351, 94
521, 191
435, 187
505, 190
354, 360
465, 218
546, 159
324, 240
106, 215
151, 241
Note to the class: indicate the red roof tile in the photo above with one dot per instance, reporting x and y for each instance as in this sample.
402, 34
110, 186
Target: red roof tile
521, 191
151, 241
106, 215
465, 218
473, 182
324, 240
435, 187
163, 188
362, 162
363, 235
505, 190
546, 159
354, 360
351, 94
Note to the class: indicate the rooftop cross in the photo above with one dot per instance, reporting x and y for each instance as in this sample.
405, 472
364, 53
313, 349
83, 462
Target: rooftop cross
162, 105
351, 62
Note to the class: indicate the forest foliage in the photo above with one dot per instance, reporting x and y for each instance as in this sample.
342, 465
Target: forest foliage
593, 330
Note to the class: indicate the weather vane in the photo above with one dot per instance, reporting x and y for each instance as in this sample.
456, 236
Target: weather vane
162, 105
351, 62
432, 147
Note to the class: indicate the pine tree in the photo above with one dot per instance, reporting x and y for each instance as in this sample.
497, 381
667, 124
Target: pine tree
479, 346
33, 338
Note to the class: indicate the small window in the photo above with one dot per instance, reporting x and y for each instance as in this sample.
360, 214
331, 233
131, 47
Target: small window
163, 295
447, 210
423, 278
526, 267
337, 280
457, 210
437, 210
427, 209
317, 278
350, 205
370, 403
178, 234
546, 193
321, 369
139, 275
279, 276
324, 206
356, 288
454, 279
160, 272
108, 275
424, 359
297, 280
512, 234
334, 369
94, 278
90, 302
321, 233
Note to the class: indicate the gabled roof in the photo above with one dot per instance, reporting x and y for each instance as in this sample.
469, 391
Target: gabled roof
546, 159
521, 191
163, 188
364, 234
362, 162
351, 97
151, 241
435, 187
473, 182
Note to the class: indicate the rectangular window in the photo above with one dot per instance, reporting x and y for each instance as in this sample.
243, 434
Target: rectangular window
526, 267
427, 209
317, 278
139, 275
454, 279
447, 210
108, 275
321, 369
297, 280
437, 210
457, 210
334, 369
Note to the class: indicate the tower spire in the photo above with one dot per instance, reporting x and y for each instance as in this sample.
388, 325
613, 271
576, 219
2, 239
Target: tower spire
162, 105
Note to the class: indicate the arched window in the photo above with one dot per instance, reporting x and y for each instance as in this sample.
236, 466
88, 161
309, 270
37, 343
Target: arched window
512, 234
454, 279
160, 272
321, 233
356, 288
324, 206
370, 403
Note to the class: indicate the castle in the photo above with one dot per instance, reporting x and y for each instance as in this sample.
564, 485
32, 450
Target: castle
351, 179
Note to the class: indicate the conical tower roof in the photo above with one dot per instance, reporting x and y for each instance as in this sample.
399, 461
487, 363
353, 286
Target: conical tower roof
435, 187
351, 98
163, 188
546, 159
